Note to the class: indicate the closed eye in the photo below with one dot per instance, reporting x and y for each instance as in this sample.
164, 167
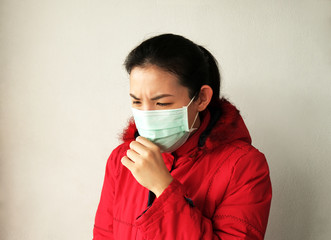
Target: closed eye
163, 104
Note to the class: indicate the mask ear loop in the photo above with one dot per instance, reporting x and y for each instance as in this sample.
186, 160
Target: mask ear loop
190, 102
196, 116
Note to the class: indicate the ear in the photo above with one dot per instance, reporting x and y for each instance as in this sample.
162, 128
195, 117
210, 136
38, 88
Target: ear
205, 95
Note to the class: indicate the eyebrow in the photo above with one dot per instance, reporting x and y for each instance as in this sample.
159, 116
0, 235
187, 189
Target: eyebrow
153, 98
133, 96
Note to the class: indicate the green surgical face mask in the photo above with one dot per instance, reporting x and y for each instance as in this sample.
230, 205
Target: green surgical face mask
168, 129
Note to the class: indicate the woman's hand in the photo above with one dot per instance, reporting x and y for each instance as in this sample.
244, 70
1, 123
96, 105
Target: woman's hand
146, 164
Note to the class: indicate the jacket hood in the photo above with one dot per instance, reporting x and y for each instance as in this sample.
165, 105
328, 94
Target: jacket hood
220, 125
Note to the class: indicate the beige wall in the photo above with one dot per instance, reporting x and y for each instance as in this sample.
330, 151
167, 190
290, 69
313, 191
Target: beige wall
64, 99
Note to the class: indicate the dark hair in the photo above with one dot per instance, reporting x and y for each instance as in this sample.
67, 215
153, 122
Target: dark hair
192, 64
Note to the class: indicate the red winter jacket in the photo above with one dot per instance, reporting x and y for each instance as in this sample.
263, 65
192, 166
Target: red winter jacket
221, 188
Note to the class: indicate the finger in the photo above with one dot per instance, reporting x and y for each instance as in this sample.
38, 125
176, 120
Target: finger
133, 155
127, 163
138, 147
146, 142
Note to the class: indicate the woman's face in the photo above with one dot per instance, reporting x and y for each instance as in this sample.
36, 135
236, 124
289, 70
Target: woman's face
152, 88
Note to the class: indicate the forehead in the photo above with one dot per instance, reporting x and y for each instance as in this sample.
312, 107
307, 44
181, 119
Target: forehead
151, 80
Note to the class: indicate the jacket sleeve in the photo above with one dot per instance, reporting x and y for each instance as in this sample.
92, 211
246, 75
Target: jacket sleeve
242, 214
103, 225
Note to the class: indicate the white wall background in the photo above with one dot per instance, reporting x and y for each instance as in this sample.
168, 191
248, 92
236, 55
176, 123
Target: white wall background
64, 100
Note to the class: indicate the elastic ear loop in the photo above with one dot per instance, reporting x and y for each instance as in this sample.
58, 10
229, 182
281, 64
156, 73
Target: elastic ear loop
196, 116
190, 102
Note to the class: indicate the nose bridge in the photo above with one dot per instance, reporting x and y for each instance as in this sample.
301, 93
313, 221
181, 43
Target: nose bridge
147, 106
145, 95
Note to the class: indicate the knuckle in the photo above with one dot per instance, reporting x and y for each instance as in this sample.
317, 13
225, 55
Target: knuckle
156, 148
136, 170
149, 153
143, 164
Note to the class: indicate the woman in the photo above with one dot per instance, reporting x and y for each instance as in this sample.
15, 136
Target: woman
186, 168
